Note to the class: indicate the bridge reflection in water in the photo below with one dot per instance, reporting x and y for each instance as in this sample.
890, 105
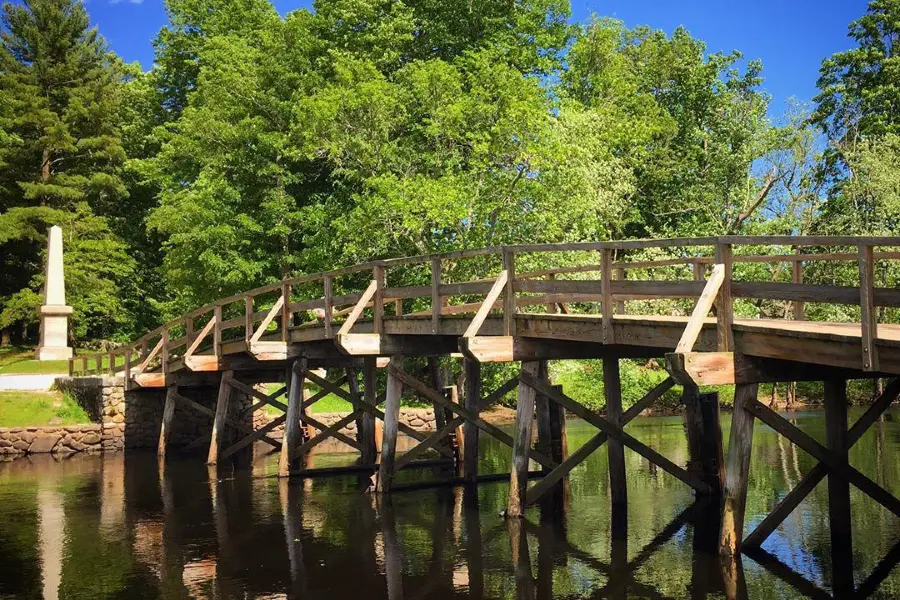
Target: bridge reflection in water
119, 526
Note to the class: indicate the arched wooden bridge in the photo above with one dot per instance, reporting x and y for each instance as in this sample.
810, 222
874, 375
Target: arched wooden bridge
603, 300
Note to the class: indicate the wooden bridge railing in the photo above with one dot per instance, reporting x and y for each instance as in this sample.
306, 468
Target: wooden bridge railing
282, 311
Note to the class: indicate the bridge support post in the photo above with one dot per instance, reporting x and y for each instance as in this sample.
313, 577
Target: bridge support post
704, 436
471, 402
518, 477
366, 429
391, 428
737, 470
836, 440
218, 426
167, 420
292, 435
612, 389
542, 415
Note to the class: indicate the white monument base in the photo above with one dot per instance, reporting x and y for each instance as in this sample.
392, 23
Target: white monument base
54, 333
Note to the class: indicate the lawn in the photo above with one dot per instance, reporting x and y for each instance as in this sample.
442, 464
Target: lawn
328, 404
19, 360
20, 409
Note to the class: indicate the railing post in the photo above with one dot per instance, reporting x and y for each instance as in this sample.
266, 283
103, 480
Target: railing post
436, 295
248, 318
551, 307
606, 305
725, 306
286, 290
217, 331
868, 316
797, 306
509, 297
164, 355
126, 376
328, 285
111, 367
71, 367
620, 304
84, 363
378, 307
189, 331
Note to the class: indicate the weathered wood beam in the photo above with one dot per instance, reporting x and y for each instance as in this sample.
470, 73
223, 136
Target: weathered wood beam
167, 421
267, 320
614, 431
429, 394
371, 409
612, 390
391, 425
537, 491
292, 435
518, 476
257, 435
325, 433
701, 310
820, 453
487, 305
737, 471
218, 425
837, 442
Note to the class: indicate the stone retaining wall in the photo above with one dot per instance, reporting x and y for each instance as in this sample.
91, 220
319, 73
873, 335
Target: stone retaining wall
66, 439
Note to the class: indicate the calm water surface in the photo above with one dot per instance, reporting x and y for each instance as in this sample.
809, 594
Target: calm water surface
120, 527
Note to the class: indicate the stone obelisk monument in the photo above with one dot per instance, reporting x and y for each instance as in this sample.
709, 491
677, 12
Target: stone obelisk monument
54, 312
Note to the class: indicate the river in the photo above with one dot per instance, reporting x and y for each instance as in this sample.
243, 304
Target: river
118, 526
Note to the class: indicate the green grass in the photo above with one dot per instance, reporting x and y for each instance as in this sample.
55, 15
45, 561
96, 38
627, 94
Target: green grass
20, 409
328, 404
19, 360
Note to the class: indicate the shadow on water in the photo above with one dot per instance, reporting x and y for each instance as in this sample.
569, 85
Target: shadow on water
127, 527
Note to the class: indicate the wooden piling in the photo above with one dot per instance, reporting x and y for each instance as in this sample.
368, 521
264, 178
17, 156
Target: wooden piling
542, 416
167, 419
366, 430
837, 441
291, 438
704, 435
391, 428
471, 401
737, 470
612, 389
518, 478
218, 426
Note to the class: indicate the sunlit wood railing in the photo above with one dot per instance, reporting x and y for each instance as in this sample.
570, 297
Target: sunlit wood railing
286, 310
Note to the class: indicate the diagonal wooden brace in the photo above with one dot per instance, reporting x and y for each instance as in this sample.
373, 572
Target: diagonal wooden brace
823, 455
815, 475
360, 405
539, 489
616, 432
451, 425
325, 433
492, 430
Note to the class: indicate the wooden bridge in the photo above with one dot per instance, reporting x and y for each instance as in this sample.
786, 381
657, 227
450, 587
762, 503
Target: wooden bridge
719, 310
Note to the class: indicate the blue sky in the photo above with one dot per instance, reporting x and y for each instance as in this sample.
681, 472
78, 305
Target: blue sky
791, 37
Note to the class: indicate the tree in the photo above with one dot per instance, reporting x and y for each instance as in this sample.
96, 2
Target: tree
690, 125
858, 110
859, 95
62, 156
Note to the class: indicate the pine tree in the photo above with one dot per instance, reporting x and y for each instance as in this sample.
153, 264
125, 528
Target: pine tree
60, 160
